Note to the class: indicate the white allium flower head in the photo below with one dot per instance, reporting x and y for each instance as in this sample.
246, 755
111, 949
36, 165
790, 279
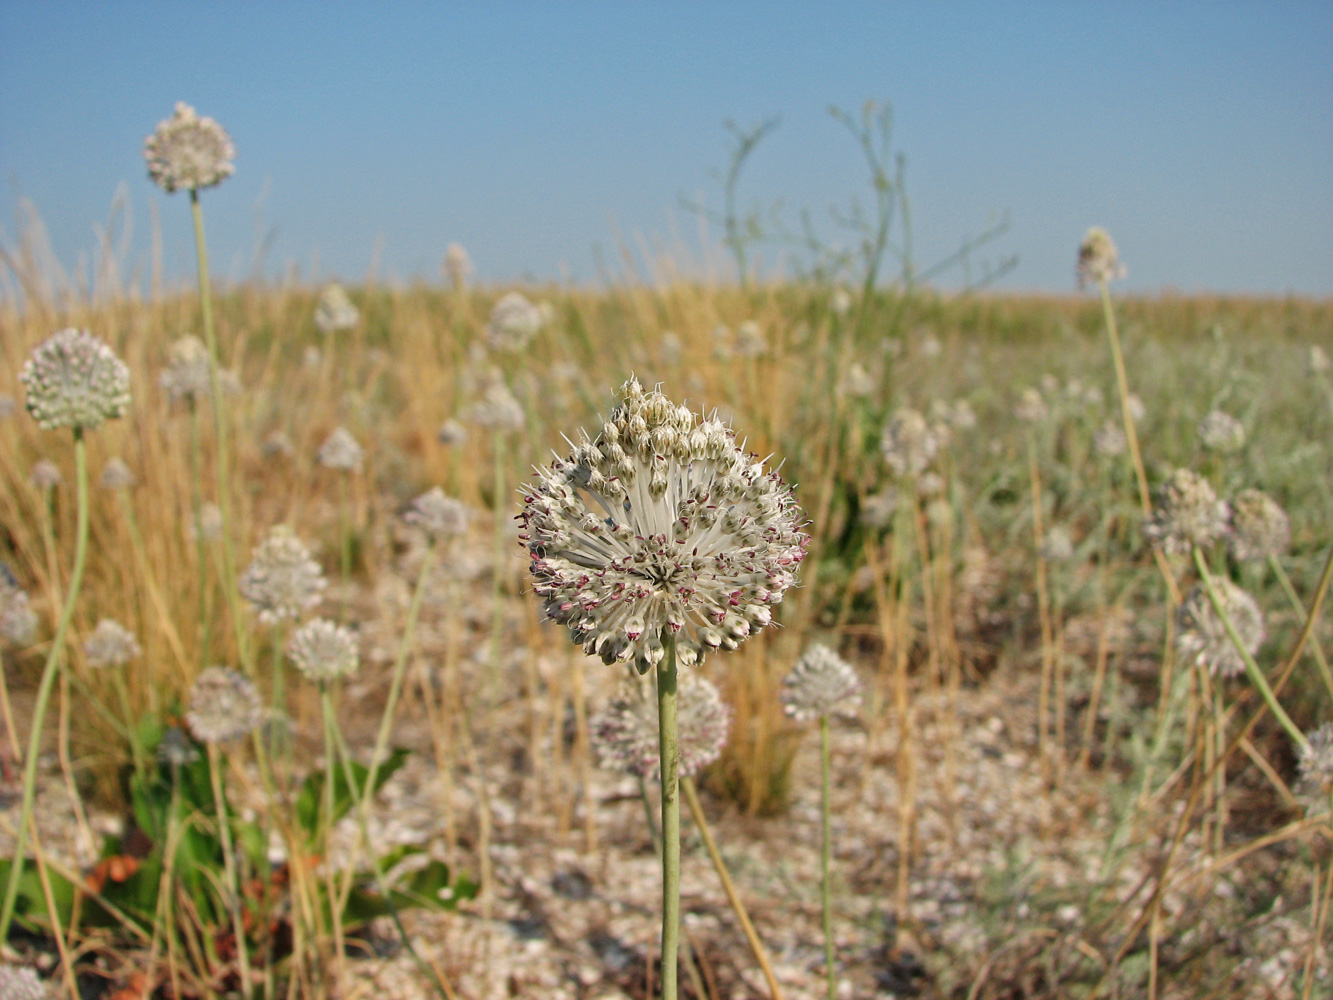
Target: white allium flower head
323, 650
116, 475
110, 644
283, 579
1203, 639
75, 380
627, 735
821, 683
340, 451
1259, 527
1109, 440
45, 475
1316, 759
457, 265
497, 409
750, 342
438, 515
1187, 514
1031, 408
909, 443
451, 432
224, 705
878, 509
661, 527
1098, 259
18, 622
514, 322
186, 152
1221, 432
334, 311
187, 373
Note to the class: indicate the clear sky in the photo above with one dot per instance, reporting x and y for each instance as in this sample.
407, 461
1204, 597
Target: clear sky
543, 136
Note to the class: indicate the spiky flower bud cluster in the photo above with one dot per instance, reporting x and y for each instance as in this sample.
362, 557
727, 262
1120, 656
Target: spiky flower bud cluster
110, 644
626, 736
324, 651
821, 683
116, 475
909, 443
1221, 432
457, 265
224, 705
1098, 259
18, 622
1031, 407
514, 322
187, 373
75, 380
282, 580
334, 311
340, 451
438, 515
1259, 527
661, 527
1316, 760
186, 152
1188, 513
1203, 640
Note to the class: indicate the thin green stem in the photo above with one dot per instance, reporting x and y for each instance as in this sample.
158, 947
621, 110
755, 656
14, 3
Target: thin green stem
826, 852
54, 662
670, 774
200, 542
1252, 670
1294, 599
229, 869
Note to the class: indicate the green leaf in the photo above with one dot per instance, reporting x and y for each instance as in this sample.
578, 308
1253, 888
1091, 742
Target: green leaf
30, 909
309, 801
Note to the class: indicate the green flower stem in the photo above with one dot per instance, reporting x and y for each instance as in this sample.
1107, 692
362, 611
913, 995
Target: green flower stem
344, 544
278, 742
1252, 670
1315, 648
200, 543
325, 827
826, 852
670, 772
131, 730
229, 869
1132, 436
756, 946
54, 662
497, 609
220, 431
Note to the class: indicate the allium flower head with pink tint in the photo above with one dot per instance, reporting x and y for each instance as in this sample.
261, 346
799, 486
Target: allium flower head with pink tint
283, 579
186, 152
626, 736
224, 705
75, 380
821, 683
661, 527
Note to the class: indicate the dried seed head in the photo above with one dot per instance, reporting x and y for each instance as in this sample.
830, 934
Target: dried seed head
340, 451
1188, 513
75, 380
1203, 639
514, 322
1259, 527
626, 736
660, 527
224, 705
334, 311
110, 644
909, 443
116, 475
282, 580
186, 152
1221, 432
45, 475
439, 516
1098, 259
324, 650
821, 683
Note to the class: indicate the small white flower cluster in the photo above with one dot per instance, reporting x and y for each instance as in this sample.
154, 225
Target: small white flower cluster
909, 443
1188, 513
627, 735
75, 380
334, 311
340, 451
457, 265
514, 322
283, 579
187, 373
224, 705
1203, 640
186, 152
116, 475
661, 528
1259, 527
821, 683
1221, 432
110, 644
324, 651
18, 622
438, 515
1098, 259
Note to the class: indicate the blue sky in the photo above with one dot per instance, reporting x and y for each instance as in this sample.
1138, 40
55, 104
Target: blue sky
543, 136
